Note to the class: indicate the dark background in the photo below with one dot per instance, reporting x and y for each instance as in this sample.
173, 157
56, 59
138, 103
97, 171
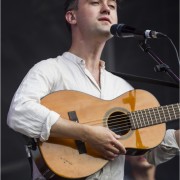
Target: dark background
33, 30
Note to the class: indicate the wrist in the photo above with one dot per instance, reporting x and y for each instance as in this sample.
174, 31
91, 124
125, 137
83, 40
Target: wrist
86, 133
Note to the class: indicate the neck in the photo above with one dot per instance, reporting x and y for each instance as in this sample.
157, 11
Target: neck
90, 50
145, 174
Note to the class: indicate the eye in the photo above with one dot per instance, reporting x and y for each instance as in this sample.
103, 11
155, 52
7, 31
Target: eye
95, 2
112, 6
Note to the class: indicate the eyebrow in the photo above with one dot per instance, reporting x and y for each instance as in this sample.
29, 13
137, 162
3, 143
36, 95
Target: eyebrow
108, 0
113, 1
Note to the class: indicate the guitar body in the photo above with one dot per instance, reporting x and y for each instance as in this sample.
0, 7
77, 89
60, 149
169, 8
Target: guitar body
62, 156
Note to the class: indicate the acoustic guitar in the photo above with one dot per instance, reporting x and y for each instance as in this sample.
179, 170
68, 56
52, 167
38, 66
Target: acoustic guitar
135, 115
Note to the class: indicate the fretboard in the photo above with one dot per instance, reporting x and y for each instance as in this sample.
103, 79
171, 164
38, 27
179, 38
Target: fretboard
152, 116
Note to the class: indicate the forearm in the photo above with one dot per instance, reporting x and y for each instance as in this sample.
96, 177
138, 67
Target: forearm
68, 129
100, 138
166, 150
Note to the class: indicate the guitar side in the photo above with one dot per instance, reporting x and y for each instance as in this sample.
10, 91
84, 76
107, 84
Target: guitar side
62, 156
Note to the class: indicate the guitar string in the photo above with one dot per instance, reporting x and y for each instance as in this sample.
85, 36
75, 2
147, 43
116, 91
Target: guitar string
136, 124
140, 125
117, 130
173, 111
121, 117
127, 125
116, 127
138, 119
123, 128
136, 113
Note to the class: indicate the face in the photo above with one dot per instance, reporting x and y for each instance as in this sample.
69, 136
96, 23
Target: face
138, 162
95, 16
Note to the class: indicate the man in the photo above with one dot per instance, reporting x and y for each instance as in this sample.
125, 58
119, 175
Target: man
78, 69
141, 169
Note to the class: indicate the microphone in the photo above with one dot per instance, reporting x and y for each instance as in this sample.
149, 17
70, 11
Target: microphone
125, 31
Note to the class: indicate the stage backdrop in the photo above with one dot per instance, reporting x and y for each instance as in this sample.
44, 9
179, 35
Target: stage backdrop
33, 30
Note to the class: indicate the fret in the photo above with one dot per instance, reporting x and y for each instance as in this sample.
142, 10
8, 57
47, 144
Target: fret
172, 107
144, 117
149, 123
163, 113
136, 118
168, 112
149, 112
159, 117
176, 109
152, 116
140, 119
133, 122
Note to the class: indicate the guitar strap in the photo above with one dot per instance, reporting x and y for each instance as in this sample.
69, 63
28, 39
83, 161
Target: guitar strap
37, 165
30, 144
80, 145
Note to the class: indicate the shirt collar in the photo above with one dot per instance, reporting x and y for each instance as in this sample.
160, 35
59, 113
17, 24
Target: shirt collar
73, 57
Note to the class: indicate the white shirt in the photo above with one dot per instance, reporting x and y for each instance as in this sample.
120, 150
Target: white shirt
66, 72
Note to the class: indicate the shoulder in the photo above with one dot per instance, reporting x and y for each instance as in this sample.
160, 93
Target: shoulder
47, 63
50, 65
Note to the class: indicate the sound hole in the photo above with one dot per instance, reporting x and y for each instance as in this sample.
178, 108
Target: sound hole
119, 123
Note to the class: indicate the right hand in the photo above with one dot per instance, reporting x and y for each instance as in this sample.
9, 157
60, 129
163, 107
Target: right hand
105, 141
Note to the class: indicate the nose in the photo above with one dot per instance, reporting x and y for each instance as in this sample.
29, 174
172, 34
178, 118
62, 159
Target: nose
105, 9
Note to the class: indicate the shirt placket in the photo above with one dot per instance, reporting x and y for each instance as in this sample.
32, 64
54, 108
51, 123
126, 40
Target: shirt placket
102, 82
89, 75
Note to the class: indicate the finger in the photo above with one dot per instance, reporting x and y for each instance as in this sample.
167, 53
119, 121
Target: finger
113, 149
120, 146
117, 144
110, 156
116, 135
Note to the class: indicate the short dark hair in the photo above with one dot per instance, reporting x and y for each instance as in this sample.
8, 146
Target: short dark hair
70, 4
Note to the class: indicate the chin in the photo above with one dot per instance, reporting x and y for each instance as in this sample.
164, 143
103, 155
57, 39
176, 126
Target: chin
106, 32
145, 165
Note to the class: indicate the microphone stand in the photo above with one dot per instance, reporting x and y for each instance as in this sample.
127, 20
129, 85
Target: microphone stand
143, 79
161, 67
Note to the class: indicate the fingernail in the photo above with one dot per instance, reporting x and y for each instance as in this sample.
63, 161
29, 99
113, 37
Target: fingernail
118, 136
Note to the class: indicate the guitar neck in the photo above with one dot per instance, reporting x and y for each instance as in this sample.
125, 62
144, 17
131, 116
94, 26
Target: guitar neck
153, 116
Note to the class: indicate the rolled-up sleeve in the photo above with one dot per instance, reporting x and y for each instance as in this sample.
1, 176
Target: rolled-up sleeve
26, 115
165, 151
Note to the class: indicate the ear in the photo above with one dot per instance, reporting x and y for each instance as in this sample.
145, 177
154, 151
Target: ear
71, 17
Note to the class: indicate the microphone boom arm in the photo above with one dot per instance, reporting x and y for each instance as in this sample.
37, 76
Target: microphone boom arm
161, 67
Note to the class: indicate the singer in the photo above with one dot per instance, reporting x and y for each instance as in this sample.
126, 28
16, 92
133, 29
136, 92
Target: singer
80, 69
